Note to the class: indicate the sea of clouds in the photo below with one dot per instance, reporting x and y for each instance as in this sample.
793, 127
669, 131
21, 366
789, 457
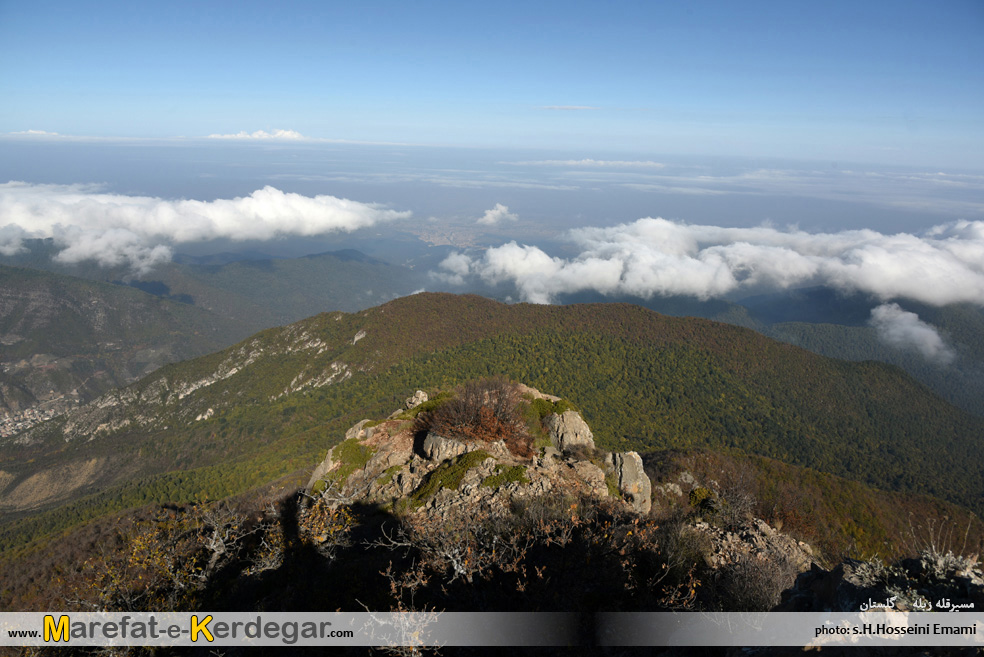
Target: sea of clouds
650, 257
656, 257
644, 258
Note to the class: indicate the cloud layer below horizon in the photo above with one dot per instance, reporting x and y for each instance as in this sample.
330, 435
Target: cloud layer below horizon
288, 135
655, 257
138, 231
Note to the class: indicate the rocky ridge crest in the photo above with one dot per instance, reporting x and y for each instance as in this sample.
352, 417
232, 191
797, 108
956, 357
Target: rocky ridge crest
385, 463
388, 463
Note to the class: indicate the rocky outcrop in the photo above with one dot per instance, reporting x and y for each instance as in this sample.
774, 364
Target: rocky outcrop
592, 476
437, 479
416, 399
438, 448
931, 582
568, 431
632, 480
378, 462
532, 393
754, 540
320, 472
358, 430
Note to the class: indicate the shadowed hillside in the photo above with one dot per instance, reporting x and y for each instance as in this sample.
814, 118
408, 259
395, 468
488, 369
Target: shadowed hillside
66, 340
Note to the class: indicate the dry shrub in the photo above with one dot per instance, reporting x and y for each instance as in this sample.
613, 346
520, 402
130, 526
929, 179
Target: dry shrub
755, 584
738, 493
326, 526
551, 552
486, 411
167, 562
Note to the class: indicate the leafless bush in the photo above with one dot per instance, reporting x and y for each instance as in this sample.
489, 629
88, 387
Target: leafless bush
737, 493
466, 543
683, 548
940, 537
755, 584
486, 410
164, 563
541, 550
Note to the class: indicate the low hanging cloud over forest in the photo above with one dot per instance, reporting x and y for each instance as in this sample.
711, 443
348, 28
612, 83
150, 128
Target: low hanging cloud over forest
905, 330
658, 257
138, 231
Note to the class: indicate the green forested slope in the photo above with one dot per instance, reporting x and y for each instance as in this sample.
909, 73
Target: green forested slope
836, 324
644, 381
960, 381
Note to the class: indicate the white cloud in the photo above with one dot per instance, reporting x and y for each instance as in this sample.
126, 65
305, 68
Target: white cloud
457, 267
113, 229
11, 239
282, 135
497, 214
593, 164
905, 330
659, 257
36, 133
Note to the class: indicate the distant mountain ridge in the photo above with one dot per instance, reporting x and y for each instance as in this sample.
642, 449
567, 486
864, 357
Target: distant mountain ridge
191, 307
259, 291
66, 340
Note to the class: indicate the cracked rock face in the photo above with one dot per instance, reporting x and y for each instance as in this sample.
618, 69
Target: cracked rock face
438, 448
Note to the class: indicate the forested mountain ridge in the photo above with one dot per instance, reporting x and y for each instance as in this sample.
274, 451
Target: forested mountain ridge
68, 340
838, 325
266, 407
256, 290
70, 332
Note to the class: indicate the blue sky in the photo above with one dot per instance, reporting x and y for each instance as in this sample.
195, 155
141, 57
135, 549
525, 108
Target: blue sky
703, 149
884, 82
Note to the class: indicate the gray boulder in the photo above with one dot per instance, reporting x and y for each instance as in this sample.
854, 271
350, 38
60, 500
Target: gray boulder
439, 448
416, 399
319, 473
632, 480
357, 430
569, 431
551, 455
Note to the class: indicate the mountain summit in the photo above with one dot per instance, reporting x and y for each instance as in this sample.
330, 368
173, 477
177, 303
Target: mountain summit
489, 446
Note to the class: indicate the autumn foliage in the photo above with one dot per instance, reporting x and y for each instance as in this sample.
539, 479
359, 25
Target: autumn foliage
486, 410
